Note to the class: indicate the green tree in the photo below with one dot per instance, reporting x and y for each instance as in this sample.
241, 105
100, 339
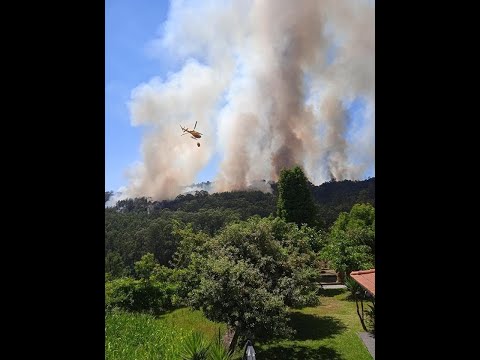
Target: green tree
251, 272
191, 242
237, 293
360, 222
151, 290
351, 245
295, 202
114, 265
145, 266
138, 295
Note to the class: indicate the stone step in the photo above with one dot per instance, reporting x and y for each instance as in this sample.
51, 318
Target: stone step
328, 278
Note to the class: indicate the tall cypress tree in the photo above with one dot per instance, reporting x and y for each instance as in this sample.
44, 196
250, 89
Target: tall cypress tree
295, 202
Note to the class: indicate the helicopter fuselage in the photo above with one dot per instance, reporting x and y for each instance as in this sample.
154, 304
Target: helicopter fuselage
195, 134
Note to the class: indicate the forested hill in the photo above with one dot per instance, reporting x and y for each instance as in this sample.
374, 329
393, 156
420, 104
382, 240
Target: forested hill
336, 196
331, 198
335, 192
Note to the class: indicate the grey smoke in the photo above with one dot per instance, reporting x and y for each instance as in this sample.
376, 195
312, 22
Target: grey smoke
260, 79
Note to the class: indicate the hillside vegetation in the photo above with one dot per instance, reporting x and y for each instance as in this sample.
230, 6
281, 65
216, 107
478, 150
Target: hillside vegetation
244, 260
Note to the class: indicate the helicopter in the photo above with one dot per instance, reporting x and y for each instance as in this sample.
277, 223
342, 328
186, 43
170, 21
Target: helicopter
194, 134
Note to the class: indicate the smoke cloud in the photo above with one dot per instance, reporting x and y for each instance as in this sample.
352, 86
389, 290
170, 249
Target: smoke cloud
269, 82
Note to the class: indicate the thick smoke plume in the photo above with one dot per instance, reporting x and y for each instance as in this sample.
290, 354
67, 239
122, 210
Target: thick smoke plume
269, 82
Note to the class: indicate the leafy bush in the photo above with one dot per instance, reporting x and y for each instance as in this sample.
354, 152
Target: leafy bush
352, 240
250, 273
354, 288
138, 295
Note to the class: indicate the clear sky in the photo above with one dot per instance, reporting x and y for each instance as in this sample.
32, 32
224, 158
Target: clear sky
129, 27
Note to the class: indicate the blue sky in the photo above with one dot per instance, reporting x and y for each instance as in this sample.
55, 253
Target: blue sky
129, 27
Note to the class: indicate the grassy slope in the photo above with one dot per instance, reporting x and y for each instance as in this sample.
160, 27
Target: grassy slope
194, 321
328, 331
141, 336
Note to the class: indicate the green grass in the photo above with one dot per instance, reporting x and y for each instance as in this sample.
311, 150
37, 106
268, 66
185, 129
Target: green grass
130, 336
194, 321
139, 336
328, 331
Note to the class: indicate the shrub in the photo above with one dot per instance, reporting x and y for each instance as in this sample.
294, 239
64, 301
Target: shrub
138, 295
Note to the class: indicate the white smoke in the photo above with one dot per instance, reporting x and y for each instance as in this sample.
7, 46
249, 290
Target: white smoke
260, 78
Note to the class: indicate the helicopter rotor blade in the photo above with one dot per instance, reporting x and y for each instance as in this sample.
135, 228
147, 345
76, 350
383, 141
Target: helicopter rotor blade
195, 125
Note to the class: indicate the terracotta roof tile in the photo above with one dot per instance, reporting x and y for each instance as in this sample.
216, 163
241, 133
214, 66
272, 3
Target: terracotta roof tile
366, 278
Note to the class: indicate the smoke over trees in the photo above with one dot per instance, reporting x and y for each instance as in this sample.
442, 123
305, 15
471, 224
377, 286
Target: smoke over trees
269, 83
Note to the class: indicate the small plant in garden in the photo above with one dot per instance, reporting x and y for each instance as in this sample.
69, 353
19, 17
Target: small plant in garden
195, 347
218, 351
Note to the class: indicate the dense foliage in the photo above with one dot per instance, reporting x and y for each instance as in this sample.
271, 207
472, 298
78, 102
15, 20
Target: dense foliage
331, 198
351, 244
135, 227
244, 258
252, 271
294, 200
151, 290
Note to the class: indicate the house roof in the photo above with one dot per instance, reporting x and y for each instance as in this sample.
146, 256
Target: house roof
366, 278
